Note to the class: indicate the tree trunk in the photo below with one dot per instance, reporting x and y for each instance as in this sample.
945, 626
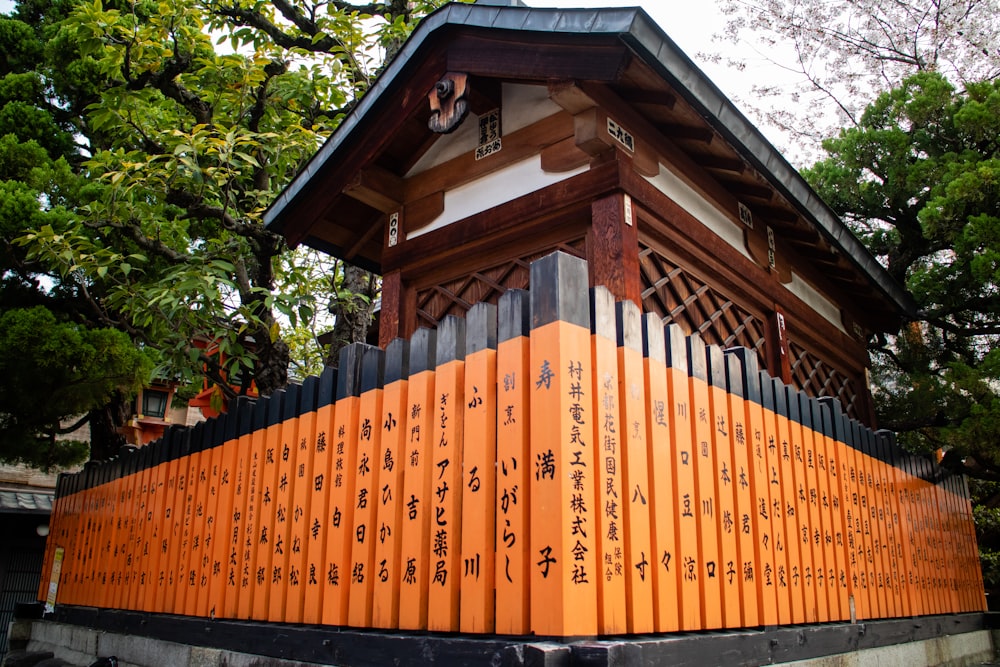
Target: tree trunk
271, 372
106, 438
352, 311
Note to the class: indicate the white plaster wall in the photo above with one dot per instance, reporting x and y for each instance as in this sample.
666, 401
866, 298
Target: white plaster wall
691, 201
500, 186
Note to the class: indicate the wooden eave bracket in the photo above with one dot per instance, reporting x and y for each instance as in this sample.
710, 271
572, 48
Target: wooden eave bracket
448, 101
377, 187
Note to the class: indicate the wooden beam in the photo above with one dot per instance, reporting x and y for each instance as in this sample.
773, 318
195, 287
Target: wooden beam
569, 96
375, 226
733, 164
742, 188
527, 59
778, 213
797, 235
563, 156
379, 188
484, 94
659, 98
590, 128
686, 132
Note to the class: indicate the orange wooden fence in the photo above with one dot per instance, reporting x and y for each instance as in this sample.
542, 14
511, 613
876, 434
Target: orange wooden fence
558, 464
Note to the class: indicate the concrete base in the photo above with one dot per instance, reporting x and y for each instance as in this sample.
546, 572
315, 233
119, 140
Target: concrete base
965, 650
969, 646
81, 647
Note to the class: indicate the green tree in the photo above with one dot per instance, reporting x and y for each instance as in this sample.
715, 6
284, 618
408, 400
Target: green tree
140, 143
918, 179
53, 372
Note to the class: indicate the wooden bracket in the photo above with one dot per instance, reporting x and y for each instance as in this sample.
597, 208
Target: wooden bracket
448, 102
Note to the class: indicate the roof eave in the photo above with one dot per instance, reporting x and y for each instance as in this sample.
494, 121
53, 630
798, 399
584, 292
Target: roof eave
648, 42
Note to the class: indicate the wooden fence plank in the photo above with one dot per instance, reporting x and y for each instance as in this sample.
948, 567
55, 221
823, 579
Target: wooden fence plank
563, 548
446, 447
414, 557
513, 431
391, 461
479, 472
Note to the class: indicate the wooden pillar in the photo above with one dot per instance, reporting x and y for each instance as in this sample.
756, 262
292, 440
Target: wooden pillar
613, 248
390, 316
778, 358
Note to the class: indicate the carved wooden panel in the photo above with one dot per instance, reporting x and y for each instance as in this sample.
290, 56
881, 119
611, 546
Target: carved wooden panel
817, 378
455, 297
677, 296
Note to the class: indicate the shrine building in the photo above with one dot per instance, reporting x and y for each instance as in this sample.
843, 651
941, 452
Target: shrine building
499, 134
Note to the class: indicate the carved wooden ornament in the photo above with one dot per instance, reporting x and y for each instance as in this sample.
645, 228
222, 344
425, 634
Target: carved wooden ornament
448, 103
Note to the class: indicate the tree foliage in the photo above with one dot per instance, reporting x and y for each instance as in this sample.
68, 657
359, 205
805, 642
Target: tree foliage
141, 141
833, 58
54, 372
918, 179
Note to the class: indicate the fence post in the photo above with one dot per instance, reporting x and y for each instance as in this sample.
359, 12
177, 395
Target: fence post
632, 397
367, 492
414, 560
343, 495
322, 485
725, 493
563, 576
512, 500
662, 497
685, 478
709, 566
253, 465
478, 482
609, 445
300, 502
390, 459
446, 449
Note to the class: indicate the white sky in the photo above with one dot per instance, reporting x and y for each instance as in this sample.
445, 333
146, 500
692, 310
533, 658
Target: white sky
691, 24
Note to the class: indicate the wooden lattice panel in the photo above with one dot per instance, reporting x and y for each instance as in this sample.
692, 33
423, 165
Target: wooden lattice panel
817, 378
677, 296
455, 297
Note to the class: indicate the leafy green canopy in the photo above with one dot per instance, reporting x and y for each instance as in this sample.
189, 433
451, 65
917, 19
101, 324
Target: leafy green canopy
53, 371
140, 143
918, 180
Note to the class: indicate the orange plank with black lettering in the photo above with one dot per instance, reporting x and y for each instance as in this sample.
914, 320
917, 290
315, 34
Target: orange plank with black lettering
610, 438
706, 504
779, 495
414, 560
722, 447
511, 502
563, 578
319, 507
479, 475
342, 499
264, 539
662, 498
632, 398
744, 498
681, 435
367, 493
194, 524
251, 459
385, 595
281, 532
446, 499
303, 493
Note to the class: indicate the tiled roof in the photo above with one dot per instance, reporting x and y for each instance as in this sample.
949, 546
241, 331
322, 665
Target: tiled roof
26, 502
